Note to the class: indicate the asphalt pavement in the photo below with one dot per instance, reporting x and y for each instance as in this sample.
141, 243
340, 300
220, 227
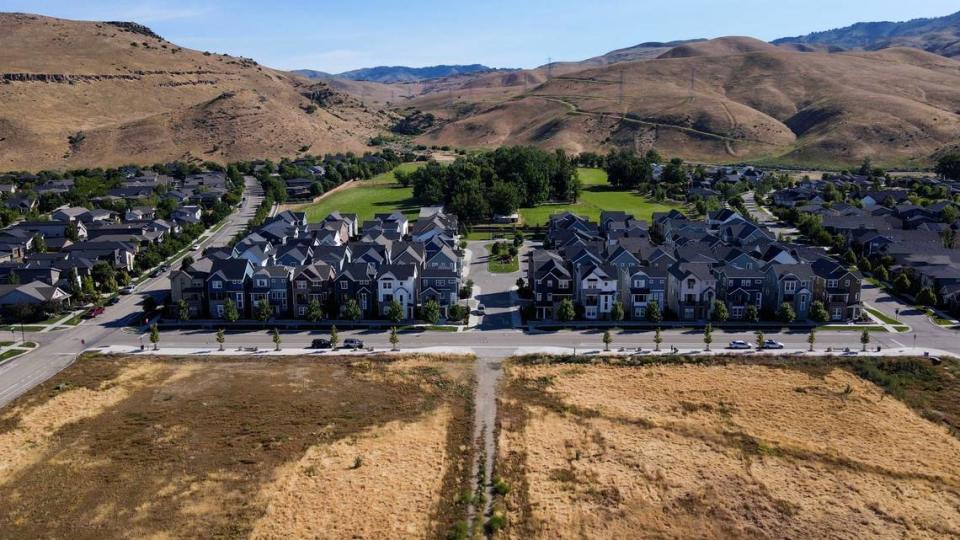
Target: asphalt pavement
58, 349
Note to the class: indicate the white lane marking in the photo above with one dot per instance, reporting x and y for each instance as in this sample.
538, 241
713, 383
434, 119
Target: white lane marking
901, 345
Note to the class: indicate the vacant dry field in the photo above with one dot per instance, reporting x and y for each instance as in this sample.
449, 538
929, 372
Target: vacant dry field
718, 451
266, 448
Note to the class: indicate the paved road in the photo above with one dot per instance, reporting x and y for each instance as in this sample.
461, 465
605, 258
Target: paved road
58, 349
765, 218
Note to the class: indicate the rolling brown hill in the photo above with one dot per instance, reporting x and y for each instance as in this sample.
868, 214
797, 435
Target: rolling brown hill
78, 94
726, 100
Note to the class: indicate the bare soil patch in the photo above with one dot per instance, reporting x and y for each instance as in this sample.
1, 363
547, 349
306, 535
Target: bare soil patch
272, 448
719, 450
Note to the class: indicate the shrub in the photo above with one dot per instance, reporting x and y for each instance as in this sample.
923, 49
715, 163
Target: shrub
501, 487
495, 523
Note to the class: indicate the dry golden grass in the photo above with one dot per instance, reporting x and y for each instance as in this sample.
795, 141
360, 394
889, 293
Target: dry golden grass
390, 494
187, 447
749, 100
681, 451
142, 99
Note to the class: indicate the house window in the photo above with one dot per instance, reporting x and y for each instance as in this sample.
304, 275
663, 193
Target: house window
344, 285
639, 283
745, 283
363, 300
549, 297
217, 284
846, 283
737, 312
539, 297
302, 310
301, 284
803, 302
831, 283
564, 284
219, 310
387, 284
691, 283
837, 313
261, 283
789, 286
549, 283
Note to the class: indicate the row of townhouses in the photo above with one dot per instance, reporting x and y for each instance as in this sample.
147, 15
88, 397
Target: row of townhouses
920, 241
695, 263
288, 263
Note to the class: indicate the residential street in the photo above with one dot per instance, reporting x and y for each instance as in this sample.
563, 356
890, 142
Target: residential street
58, 349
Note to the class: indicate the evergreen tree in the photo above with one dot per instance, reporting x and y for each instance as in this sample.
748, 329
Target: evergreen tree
230, 312
154, 335
394, 338
566, 312
314, 311
653, 312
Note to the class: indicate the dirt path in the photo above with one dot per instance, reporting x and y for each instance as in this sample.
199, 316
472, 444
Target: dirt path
487, 372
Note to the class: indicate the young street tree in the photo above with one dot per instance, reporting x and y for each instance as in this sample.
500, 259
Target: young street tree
230, 312
264, 311
708, 335
616, 312
786, 314
566, 312
352, 310
394, 311
720, 313
865, 339
314, 311
431, 312
154, 335
760, 340
183, 310
394, 338
334, 337
276, 338
812, 338
653, 312
657, 339
607, 340
221, 337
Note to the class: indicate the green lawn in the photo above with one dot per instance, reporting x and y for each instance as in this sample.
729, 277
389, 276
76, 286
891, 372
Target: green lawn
882, 316
380, 194
851, 328
597, 195
497, 267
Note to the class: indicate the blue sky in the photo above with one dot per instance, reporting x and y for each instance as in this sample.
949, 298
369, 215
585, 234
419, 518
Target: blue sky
339, 35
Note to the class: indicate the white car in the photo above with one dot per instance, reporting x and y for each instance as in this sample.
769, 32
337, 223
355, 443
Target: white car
738, 344
772, 344
197, 247
129, 289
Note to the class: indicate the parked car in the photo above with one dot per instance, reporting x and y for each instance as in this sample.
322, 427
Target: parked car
481, 309
114, 300
164, 267
320, 343
196, 247
157, 273
772, 344
129, 289
353, 343
738, 344
94, 312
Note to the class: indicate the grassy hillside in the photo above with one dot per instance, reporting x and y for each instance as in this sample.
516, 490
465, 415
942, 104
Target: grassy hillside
97, 94
748, 101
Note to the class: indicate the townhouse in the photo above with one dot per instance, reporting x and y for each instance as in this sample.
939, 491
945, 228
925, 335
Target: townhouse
336, 262
685, 267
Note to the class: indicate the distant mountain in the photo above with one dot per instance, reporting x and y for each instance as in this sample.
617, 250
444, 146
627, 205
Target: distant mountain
400, 74
312, 74
940, 35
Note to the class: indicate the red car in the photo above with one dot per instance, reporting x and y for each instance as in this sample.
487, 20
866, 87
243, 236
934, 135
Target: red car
95, 312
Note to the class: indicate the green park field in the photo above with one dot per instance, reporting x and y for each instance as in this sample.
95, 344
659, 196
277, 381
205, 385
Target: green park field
383, 194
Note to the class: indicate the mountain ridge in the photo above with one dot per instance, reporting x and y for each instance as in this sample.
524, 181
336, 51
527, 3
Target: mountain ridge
940, 35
